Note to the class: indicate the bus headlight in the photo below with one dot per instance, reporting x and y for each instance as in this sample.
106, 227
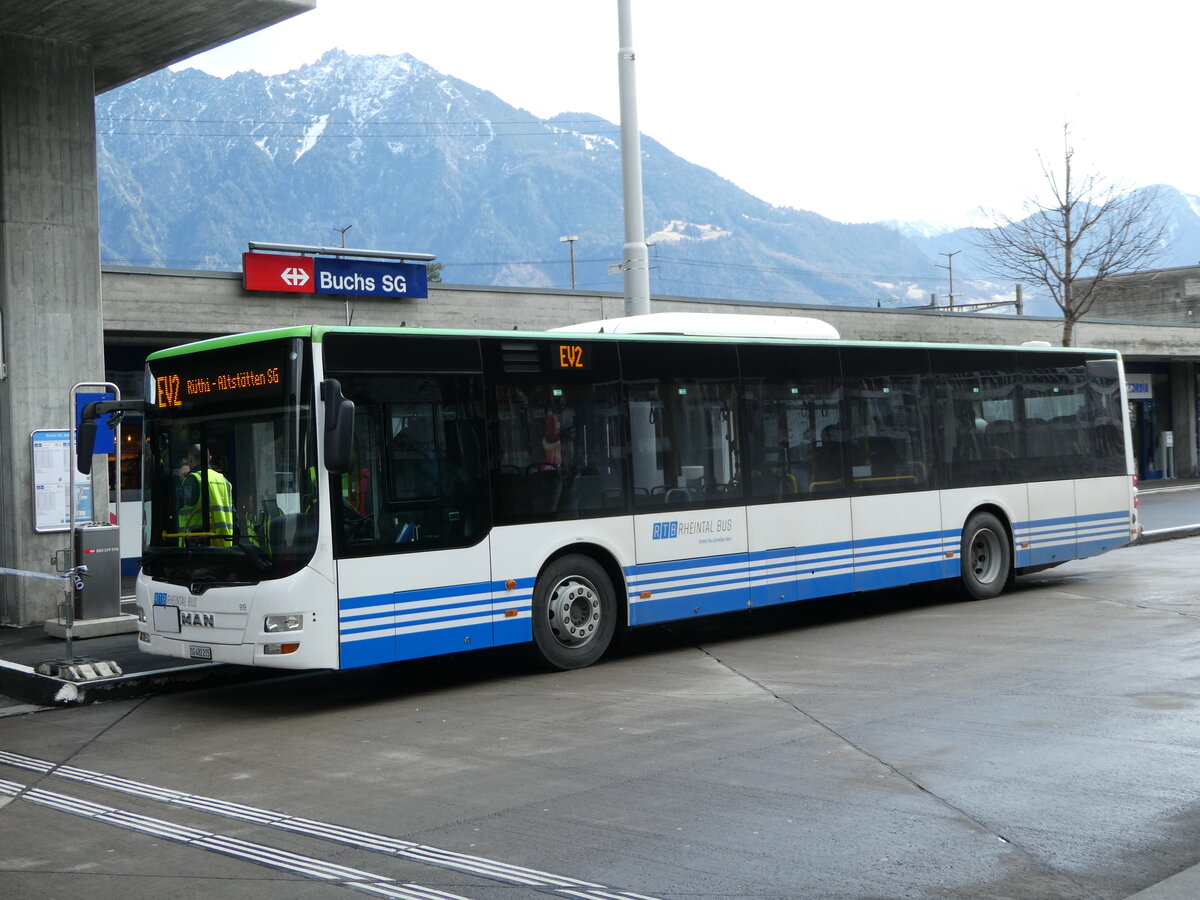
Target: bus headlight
274, 624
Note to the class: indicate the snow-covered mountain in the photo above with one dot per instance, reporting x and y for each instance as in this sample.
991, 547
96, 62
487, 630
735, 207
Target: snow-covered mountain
1179, 211
193, 166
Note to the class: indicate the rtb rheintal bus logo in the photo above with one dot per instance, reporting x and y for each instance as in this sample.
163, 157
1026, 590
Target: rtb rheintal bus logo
665, 530
707, 531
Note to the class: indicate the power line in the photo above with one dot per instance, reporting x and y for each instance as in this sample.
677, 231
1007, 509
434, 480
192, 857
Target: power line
791, 270
665, 283
358, 122
108, 126
382, 136
700, 264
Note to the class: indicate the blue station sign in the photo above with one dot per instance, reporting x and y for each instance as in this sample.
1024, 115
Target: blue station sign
370, 278
334, 275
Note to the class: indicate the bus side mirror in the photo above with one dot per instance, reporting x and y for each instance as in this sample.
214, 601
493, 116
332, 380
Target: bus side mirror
339, 426
89, 420
85, 440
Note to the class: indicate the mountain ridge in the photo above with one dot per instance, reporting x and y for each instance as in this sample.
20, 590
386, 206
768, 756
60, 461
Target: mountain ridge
192, 166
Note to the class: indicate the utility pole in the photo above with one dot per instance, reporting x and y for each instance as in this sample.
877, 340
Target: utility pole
349, 301
949, 267
570, 240
634, 259
1020, 300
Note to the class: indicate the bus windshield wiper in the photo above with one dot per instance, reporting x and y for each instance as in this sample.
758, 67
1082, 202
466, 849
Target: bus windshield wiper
252, 553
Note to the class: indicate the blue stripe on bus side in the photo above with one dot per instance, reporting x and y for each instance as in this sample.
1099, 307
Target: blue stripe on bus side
1061, 538
894, 576
709, 585
409, 624
511, 611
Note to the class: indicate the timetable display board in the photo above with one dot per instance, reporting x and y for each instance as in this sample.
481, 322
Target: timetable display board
52, 472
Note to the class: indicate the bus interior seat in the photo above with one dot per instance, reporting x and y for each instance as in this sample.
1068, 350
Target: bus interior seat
543, 486
414, 460
1001, 436
288, 530
827, 462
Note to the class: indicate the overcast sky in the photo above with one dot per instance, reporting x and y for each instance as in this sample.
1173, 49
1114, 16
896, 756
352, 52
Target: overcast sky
860, 111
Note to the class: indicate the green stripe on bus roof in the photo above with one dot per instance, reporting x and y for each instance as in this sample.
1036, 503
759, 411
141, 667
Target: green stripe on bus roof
318, 333
233, 340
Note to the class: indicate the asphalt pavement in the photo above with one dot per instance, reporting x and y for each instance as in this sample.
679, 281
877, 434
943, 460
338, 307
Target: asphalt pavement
1168, 510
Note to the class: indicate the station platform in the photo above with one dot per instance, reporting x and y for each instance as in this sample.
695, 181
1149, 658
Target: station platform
23, 650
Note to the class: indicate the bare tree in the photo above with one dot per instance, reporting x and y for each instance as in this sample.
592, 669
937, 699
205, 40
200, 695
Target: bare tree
1085, 233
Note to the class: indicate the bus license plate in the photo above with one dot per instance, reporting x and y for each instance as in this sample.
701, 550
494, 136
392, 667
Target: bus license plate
200, 652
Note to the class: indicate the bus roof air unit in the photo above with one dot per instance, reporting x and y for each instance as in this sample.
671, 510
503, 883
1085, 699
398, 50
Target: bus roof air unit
716, 324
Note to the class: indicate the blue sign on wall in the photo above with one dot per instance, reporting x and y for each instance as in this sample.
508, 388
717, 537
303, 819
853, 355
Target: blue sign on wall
369, 278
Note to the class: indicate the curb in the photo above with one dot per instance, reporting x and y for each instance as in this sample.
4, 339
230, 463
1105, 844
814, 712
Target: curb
1182, 886
1167, 534
24, 684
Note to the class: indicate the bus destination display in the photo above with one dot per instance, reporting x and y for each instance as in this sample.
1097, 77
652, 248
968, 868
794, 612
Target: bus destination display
176, 389
572, 357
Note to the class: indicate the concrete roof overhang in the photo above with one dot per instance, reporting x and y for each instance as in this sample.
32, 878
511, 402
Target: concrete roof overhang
132, 38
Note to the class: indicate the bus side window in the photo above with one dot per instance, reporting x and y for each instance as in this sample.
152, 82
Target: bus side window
890, 433
559, 453
417, 481
684, 442
413, 452
793, 440
1054, 406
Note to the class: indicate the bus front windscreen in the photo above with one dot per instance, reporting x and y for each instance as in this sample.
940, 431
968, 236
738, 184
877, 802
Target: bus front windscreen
230, 467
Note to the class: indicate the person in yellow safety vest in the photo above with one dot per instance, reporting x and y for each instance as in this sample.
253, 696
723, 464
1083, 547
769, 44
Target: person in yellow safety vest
220, 502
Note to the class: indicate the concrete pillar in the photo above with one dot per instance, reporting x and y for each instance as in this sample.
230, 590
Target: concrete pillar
1183, 417
49, 285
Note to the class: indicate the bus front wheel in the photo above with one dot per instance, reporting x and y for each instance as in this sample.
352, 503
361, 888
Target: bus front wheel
574, 612
986, 557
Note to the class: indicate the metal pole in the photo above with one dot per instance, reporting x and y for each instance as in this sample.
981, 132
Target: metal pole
635, 259
569, 240
73, 563
949, 267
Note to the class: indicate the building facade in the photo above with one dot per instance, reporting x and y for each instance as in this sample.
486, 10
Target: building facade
1163, 391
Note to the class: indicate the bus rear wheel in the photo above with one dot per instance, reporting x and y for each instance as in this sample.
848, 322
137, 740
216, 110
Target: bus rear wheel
986, 557
574, 612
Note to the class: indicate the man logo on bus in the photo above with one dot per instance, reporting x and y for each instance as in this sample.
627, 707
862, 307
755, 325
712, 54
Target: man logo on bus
664, 530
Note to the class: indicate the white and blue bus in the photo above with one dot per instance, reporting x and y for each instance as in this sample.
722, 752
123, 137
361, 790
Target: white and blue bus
402, 493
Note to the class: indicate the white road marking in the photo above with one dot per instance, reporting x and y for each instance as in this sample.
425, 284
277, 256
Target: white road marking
362, 840
260, 854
